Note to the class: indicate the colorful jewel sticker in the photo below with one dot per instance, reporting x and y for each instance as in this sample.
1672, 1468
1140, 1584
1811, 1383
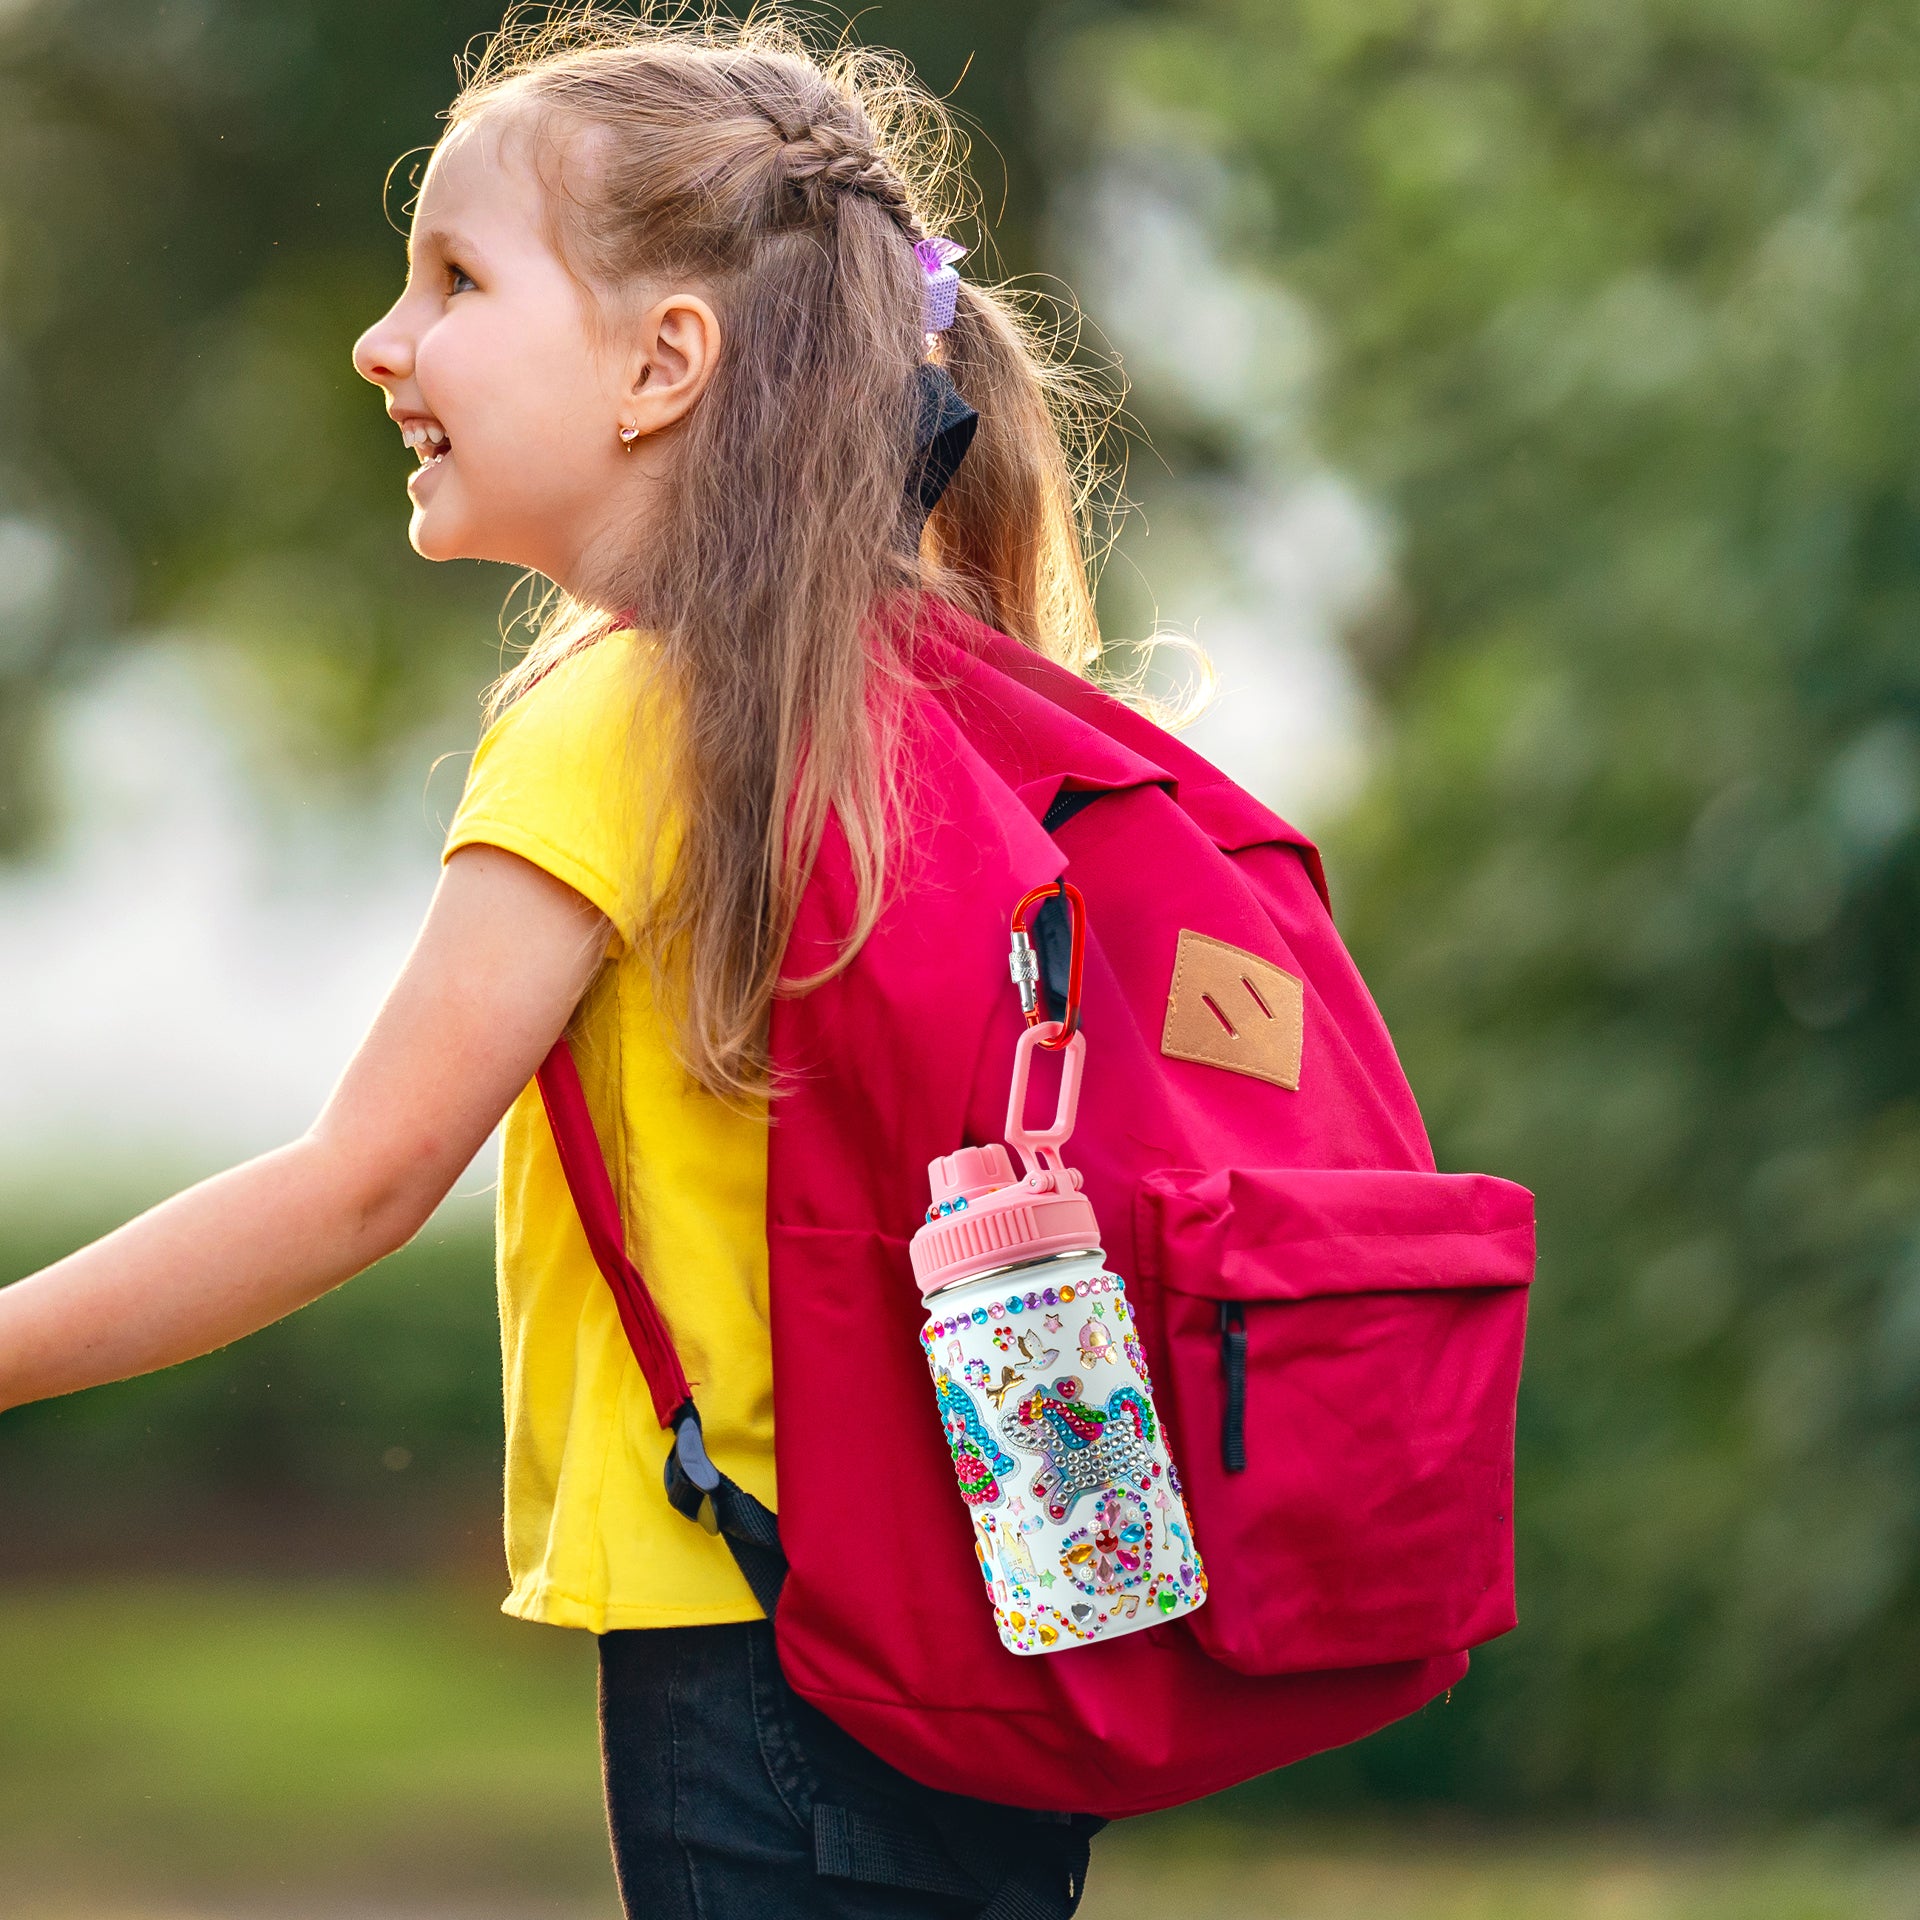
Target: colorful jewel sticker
978, 1460
1083, 1448
1178, 1532
1164, 1592
1112, 1554
1072, 1620
1044, 1627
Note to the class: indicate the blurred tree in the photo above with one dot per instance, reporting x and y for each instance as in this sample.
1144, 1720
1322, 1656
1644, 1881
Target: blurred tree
191, 237
1619, 304
364, 1430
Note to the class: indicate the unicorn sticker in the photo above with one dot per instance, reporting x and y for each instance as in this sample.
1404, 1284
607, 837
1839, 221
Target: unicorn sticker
1083, 1448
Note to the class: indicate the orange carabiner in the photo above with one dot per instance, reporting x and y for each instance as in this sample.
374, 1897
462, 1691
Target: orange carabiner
1025, 964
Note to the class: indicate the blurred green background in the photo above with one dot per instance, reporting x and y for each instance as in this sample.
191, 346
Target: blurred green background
1527, 415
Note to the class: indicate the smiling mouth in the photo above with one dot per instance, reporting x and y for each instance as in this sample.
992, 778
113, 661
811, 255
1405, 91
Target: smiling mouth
428, 439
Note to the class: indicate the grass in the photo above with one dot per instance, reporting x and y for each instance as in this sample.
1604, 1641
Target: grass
178, 1750
166, 1739
1193, 1868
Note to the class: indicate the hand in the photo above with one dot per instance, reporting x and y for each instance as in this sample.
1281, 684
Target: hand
501, 962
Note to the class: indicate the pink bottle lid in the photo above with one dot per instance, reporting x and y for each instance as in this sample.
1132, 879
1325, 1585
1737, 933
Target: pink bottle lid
982, 1217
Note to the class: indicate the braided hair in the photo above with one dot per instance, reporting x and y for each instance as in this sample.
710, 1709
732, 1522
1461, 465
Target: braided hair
814, 166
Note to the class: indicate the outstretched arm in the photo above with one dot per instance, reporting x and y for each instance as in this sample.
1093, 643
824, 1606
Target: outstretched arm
503, 957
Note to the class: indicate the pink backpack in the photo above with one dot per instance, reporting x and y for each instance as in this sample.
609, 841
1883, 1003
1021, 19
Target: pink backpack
1334, 1328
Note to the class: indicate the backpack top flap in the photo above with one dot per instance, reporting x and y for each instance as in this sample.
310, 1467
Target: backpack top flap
1034, 744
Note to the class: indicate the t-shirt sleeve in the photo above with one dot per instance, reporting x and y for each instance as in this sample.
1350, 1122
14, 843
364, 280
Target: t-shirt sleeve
557, 780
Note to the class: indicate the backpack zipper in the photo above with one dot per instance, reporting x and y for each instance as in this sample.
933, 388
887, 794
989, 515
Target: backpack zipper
1233, 1369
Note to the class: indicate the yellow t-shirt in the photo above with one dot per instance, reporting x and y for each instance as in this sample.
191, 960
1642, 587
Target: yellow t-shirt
591, 1541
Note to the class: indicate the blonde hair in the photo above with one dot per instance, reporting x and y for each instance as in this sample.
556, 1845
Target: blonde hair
792, 180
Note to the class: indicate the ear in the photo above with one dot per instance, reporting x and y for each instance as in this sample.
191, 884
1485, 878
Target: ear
673, 357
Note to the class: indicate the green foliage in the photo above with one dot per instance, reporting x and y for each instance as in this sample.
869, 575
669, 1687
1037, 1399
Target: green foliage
1620, 303
191, 238
366, 1428
192, 233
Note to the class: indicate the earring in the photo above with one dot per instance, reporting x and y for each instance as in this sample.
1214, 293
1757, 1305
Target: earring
628, 435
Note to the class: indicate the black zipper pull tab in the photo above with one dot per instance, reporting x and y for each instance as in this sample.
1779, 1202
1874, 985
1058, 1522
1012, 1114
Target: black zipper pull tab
1233, 1369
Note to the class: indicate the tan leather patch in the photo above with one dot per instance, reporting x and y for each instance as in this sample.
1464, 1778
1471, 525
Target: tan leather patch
1232, 1009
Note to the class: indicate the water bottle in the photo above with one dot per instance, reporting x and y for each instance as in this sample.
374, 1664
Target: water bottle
1079, 1524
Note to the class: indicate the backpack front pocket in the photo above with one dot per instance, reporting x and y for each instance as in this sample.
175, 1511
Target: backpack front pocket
1344, 1352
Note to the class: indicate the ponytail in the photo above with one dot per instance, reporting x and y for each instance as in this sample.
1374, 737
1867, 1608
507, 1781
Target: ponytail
1007, 538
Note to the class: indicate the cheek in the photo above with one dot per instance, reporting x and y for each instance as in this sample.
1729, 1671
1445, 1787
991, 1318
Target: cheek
519, 411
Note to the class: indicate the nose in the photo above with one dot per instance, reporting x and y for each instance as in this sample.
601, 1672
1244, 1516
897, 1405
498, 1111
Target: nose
384, 353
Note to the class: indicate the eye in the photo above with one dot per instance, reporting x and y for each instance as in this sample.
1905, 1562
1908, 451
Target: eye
455, 275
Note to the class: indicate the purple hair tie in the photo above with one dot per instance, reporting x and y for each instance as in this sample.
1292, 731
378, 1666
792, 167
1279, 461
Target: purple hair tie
942, 296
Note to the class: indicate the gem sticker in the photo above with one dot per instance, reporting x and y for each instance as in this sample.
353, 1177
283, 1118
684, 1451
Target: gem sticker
1113, 1553
979, 1461
1083, 1447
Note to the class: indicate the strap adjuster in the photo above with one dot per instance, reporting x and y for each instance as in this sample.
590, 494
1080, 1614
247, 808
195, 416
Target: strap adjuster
690, 1470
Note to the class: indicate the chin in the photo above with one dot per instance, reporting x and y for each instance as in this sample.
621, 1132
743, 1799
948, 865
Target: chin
434, 538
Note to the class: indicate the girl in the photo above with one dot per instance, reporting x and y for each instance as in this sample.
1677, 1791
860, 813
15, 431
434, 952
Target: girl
662, 341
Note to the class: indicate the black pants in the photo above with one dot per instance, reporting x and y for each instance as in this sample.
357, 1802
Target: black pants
730, 1798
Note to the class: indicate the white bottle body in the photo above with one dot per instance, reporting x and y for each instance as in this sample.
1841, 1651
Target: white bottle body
1079, 1523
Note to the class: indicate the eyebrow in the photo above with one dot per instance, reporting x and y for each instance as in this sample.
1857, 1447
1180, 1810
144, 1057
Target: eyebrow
440, 240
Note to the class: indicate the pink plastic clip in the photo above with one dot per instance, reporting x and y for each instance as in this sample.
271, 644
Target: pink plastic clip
1039, 1148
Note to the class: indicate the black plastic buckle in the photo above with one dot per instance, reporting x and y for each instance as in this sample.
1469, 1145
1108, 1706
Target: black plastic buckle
689, 1464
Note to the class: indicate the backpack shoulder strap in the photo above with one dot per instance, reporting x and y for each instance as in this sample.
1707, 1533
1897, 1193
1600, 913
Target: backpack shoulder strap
587, 1180
696, 1488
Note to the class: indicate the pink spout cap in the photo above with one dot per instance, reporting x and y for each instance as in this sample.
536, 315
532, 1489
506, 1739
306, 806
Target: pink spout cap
971, 1172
